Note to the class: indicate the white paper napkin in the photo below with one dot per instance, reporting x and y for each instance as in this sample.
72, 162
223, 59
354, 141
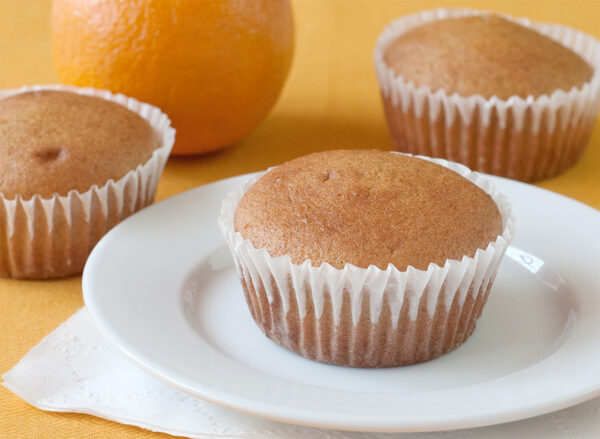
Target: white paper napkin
74, 369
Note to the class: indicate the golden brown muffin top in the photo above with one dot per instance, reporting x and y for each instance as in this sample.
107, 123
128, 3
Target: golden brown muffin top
367, 208
486, 55
55, 141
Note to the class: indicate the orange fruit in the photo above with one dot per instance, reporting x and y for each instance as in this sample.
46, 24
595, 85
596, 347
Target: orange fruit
216, 67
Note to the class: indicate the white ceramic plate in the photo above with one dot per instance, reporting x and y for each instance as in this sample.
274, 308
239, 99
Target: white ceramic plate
162, 287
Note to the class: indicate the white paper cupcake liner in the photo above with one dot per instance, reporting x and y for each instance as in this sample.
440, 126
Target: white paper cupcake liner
522, 138
366, 317
52, 237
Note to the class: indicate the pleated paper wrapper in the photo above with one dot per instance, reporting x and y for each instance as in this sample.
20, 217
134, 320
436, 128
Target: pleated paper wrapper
521, 138
52, 237
367, 317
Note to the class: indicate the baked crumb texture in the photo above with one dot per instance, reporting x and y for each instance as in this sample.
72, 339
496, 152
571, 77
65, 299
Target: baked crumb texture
367, 258
367, 208
502, 96
75, 163
486, 55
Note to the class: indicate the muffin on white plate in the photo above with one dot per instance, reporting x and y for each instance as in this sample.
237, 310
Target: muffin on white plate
367, 258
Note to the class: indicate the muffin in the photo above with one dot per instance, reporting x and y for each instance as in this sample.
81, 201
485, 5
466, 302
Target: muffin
500, 95
75, 163
367, 258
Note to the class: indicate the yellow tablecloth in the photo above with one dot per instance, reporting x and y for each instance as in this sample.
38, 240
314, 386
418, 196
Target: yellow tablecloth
331, 101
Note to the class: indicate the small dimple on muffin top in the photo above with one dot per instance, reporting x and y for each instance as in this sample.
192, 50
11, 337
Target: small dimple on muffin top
56, 141
487, 55
365, 208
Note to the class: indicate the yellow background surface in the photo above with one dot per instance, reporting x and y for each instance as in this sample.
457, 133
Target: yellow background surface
331, 100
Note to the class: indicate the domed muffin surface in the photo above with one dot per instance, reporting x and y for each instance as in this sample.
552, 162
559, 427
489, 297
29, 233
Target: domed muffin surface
58, 141
365, 208
486, 55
